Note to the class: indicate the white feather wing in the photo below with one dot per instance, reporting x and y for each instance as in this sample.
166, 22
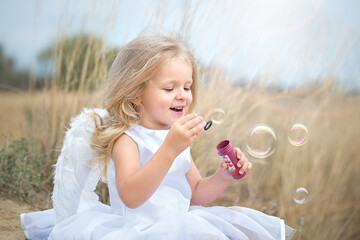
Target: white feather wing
75, 178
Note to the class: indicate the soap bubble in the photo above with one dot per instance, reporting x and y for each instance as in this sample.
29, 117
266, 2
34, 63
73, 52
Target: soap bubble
218, 115
261, 141
297, 134
300, 195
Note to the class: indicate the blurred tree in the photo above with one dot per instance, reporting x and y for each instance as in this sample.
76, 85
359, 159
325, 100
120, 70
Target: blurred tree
80, 61
9, 77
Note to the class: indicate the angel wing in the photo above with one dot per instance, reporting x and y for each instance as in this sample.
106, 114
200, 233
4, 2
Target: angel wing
75, 178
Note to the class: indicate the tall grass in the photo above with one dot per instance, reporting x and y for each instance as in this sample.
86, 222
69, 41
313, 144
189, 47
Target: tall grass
327, 165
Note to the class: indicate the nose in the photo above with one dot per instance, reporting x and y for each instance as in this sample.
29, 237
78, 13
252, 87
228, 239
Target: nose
181, 94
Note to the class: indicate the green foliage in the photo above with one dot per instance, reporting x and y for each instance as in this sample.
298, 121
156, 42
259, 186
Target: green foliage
23, 171
80, 61
9, 77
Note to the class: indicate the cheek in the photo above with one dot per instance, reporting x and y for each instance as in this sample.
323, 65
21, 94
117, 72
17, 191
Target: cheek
189, 99
164, 102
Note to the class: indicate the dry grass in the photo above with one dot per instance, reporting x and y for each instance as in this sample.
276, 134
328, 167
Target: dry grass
327, 165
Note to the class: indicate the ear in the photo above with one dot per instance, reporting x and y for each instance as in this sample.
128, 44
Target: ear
136, 101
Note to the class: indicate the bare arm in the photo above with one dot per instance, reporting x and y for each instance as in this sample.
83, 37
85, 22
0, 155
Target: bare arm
136, 184
206, 190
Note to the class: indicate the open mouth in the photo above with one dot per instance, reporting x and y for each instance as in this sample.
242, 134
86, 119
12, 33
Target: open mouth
177, 109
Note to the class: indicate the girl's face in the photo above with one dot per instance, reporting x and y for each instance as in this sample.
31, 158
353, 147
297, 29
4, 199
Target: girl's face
167, 96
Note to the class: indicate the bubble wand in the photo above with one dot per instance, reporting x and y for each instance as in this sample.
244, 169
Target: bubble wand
208, 125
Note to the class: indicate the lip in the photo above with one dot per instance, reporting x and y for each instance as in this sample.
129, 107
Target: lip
180, 106
181, 112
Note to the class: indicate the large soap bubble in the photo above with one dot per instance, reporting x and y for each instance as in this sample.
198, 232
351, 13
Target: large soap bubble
298, 134
261, 141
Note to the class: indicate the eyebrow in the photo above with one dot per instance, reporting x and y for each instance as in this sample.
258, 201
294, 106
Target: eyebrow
175, 81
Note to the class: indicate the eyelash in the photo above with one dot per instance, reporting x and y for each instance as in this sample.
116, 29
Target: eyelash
170, 89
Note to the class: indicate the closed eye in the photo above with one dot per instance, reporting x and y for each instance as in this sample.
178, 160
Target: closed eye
168, 89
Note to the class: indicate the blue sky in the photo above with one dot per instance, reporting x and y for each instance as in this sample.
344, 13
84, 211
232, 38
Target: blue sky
286, 42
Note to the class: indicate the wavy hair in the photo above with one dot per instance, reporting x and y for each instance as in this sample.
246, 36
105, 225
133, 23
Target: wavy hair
136, 64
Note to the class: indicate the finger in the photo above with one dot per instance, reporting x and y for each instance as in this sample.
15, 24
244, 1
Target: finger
186, 118
244, 168
223, 165
198, 129
249, 167
238, 152
198, 133
194, 122
242, 160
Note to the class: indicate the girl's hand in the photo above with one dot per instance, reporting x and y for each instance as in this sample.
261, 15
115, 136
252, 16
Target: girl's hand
243, 163
183, 132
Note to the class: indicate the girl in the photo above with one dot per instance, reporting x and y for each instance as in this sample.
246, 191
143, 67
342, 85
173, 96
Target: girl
143, 142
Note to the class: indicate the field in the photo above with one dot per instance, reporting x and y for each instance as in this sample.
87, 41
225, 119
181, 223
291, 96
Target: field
326, 165
33, 121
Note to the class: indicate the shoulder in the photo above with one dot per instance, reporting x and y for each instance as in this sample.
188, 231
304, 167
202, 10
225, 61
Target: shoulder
125, 155
123, 145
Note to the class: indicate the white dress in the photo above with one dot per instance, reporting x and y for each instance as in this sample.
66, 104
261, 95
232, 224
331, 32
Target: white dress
166, 215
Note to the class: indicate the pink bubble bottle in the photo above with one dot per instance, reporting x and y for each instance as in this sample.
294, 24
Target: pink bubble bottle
227, 152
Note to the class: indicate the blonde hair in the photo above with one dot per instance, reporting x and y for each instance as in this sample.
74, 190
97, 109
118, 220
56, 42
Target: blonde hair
136, 64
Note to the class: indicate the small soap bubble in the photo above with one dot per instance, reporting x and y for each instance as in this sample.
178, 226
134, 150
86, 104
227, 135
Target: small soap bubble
218, 115
261, 141
300, 195
298, 134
